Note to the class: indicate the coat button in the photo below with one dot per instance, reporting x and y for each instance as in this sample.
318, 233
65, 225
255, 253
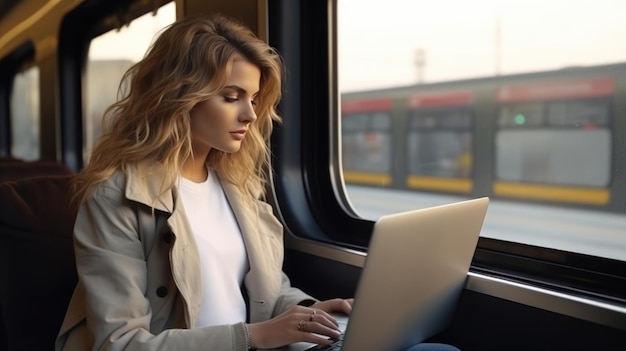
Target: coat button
167, 237
161, 291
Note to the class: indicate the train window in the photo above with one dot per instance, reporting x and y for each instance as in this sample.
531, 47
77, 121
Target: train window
439, 141
439, 144
579, 114
529, 114
110, 55
25, 115
366, 141
473, 111
554, 156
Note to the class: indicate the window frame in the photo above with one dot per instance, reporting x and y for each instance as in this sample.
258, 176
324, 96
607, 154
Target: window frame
303, 172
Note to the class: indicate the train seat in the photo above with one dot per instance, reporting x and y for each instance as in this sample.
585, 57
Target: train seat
37, 268
14, 169
5, 160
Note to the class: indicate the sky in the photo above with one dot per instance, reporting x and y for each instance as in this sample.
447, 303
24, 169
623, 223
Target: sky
378, 45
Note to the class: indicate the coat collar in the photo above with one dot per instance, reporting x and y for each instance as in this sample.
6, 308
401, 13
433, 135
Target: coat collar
144, 183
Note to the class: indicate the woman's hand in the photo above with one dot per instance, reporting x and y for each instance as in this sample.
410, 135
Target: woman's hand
335, 306
312, 324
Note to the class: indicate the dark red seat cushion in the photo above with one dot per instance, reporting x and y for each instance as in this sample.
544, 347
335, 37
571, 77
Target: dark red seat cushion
37, 268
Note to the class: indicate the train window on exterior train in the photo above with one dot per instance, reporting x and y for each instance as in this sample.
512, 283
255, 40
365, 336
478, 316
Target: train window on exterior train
580, 114
25, 115
439, 144
110, 55
367, 145
522, 115
489, 98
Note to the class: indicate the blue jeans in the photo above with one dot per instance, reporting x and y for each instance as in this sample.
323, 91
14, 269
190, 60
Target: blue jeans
432, 347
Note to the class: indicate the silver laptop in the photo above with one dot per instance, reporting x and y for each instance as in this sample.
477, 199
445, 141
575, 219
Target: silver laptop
413, 276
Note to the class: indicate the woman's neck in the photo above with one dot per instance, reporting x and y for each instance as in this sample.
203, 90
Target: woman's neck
195, 169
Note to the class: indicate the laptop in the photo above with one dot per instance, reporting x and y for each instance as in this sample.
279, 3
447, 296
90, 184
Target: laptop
413, 276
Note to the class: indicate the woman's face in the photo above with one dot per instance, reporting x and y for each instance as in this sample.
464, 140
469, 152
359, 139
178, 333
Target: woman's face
222, 121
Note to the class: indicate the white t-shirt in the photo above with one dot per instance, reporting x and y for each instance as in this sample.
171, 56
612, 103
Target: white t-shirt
222, 252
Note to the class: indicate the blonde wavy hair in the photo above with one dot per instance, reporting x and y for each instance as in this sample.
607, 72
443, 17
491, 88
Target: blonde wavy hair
188, 63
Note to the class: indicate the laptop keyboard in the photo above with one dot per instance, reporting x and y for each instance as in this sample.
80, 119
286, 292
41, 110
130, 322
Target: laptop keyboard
335, 346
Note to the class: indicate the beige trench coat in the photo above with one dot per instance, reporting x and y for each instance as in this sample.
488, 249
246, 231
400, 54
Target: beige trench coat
139, 275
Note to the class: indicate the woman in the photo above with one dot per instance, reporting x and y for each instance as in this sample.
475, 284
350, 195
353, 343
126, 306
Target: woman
174, 249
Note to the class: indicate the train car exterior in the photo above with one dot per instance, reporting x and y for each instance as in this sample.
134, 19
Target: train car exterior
552, 137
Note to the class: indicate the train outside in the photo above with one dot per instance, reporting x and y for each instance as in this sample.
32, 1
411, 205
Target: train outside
546, 137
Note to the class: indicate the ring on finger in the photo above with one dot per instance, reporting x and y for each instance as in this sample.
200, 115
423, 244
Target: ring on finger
312, 315
302, 325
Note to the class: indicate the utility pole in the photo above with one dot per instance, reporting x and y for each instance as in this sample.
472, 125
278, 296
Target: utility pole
420, 62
